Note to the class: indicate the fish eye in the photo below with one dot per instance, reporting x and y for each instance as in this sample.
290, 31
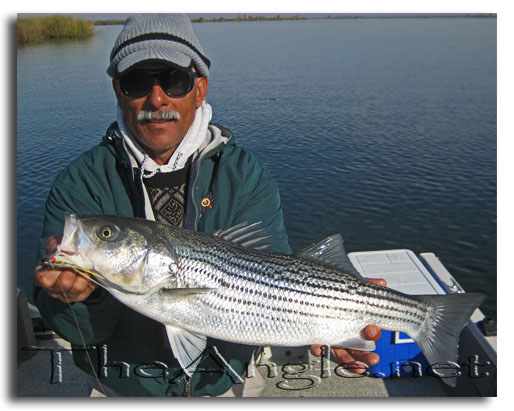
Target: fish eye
107, 232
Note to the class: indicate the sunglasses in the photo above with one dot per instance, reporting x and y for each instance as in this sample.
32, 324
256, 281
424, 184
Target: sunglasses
175, 83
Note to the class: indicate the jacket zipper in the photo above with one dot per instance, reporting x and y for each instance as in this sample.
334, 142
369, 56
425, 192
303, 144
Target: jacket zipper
187, 386
136, 177
195, 173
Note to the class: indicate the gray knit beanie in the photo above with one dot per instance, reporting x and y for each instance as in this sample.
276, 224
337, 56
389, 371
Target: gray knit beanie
167, 37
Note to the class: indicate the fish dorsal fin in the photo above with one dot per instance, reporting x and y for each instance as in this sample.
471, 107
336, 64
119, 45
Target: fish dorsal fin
246, 235
330, 251
187, 347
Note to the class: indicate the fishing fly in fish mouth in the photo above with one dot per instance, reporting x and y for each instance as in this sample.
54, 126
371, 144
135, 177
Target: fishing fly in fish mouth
227, 287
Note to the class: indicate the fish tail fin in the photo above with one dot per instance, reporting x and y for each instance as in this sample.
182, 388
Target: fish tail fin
438, 339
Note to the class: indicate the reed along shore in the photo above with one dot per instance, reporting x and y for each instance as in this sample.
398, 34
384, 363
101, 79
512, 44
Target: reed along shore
35, 29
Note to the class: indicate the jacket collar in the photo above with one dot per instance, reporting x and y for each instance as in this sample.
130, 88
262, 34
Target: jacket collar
219, 138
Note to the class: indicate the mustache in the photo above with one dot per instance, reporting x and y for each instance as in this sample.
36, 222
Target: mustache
145, 115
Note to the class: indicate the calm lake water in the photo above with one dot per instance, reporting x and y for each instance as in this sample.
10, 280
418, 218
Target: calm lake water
382, 130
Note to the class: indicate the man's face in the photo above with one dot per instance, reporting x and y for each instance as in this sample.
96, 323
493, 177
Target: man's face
160, 138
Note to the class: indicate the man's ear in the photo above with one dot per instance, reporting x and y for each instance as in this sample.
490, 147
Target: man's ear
202, 83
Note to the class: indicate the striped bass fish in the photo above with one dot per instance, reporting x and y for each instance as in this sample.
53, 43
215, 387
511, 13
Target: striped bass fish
223, 285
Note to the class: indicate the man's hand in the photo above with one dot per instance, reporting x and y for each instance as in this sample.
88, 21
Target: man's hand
62, 284
348, 356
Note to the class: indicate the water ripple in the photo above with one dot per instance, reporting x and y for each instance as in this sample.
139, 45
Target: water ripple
382, 130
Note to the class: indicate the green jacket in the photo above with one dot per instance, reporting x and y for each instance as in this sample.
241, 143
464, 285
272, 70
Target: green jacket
131, 352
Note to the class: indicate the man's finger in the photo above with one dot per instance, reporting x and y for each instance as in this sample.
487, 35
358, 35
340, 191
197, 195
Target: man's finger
52, 244
315, 349
341, 355
45, 277
74, 294
81, 285
372, 332
351, 362
369, 358
65, 281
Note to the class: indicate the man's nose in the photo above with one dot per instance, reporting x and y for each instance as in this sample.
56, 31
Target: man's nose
157, 97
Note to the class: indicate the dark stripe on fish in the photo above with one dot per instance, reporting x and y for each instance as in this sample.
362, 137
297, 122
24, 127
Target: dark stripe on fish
222, 266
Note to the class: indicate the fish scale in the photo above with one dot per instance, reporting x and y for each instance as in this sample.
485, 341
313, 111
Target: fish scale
202, 285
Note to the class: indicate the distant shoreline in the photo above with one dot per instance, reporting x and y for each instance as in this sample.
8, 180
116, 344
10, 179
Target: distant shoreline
38, 29
278, 17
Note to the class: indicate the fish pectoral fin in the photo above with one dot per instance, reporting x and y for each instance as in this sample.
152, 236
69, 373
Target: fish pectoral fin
187, 347
356, 343
180, 293
331, 252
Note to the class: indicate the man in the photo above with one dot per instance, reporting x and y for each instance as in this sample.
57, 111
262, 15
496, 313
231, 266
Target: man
161, 160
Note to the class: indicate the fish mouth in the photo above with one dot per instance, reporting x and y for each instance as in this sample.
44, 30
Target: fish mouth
69, 253
68, 244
